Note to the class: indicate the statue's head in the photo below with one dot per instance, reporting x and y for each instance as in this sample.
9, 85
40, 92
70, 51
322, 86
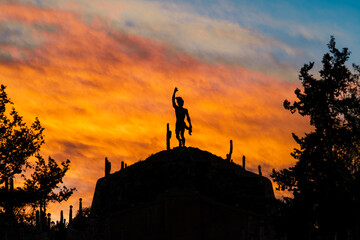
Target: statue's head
180, 101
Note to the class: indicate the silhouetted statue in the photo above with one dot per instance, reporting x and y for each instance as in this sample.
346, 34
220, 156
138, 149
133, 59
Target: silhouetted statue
180, 119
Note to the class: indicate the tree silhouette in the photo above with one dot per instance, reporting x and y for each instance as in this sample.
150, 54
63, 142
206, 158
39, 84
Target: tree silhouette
325, 179
44, 183
18, 142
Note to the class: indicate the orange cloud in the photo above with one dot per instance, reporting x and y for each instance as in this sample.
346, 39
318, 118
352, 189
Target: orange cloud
99, 92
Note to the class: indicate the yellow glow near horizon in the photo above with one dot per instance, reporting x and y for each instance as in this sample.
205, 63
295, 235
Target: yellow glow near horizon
106, 94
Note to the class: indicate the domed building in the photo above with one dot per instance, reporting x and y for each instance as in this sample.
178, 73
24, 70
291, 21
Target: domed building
183, 193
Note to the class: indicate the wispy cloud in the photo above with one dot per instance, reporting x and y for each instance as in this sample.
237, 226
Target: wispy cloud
183, 30
102, 86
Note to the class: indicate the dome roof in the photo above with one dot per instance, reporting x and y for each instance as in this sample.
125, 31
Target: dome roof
182, 170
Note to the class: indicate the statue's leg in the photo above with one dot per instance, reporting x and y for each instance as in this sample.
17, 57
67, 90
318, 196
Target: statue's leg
183, 137
178, 136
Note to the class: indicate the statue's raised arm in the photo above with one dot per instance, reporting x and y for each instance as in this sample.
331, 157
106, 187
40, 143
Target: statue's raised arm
173, 97
181, 113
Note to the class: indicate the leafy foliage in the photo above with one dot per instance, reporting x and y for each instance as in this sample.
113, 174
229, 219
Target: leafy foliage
325, 177
45, 180
17, 141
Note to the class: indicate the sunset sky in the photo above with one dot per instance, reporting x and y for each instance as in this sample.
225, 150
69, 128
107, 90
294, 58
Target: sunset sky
100, 75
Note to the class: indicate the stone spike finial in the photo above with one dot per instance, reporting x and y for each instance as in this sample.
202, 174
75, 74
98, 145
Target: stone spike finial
48, 220
168, 136
61, 216
107, 167
122, 165
228, 156
80, 206
70, 213
243, 162
260, 173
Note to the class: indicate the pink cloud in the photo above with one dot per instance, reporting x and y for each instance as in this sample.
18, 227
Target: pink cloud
99, 92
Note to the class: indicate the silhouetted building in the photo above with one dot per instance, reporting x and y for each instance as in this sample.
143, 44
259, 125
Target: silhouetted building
183, 193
